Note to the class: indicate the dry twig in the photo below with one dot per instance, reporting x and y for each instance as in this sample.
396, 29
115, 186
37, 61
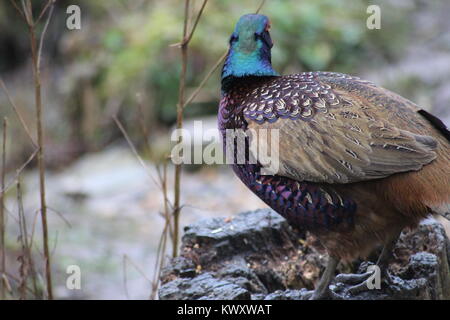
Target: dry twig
36, 50
2, 213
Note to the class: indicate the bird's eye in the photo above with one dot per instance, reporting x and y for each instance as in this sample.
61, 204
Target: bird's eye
233, 38
264, 37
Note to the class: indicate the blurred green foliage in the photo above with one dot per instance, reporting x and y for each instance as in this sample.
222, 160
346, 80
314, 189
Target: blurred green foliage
136, 54
122, 59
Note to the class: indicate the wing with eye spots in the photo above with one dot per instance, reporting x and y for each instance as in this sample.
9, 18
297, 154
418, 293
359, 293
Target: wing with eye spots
297, 96
329, 136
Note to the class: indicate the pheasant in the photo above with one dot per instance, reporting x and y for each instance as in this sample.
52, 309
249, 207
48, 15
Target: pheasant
357, 163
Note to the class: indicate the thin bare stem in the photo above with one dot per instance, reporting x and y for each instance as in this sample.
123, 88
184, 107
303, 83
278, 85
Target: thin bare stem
59, 214
14, 4
133, 149
205, 79
11, 183
27, 11
5, 280
167, 203
167, 216
260, 6
186, 18
159, 262
163, 239
181, 93
36, 50
2, 212
142, 122
166, 213
44, 10
17, 112
188, 37
27, 265
33, 227
138, 269
197, 19
40, 155
15, 279
47, 22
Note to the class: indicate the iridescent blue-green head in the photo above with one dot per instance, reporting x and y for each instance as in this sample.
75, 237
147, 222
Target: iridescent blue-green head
250, 45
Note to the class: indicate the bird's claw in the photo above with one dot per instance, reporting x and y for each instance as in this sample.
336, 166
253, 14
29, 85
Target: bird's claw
357, 282
356, 289
353, 278
308, 295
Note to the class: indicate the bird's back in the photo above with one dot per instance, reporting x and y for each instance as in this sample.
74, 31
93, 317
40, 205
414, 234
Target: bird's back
415, 190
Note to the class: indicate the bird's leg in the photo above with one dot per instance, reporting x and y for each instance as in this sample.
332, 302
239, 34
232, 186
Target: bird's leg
386, 255
322, 289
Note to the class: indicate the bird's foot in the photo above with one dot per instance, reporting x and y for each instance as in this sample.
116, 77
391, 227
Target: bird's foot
354, 284
307, 295
351, 278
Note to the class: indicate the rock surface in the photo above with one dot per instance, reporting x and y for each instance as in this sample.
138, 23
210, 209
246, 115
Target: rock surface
257, 255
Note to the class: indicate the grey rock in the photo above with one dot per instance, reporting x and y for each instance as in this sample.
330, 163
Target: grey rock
289, 294
258, 256
204, 286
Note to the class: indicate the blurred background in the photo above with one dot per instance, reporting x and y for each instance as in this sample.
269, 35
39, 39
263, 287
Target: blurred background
104, 209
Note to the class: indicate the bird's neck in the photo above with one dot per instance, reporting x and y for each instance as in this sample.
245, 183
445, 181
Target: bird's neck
239, 65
